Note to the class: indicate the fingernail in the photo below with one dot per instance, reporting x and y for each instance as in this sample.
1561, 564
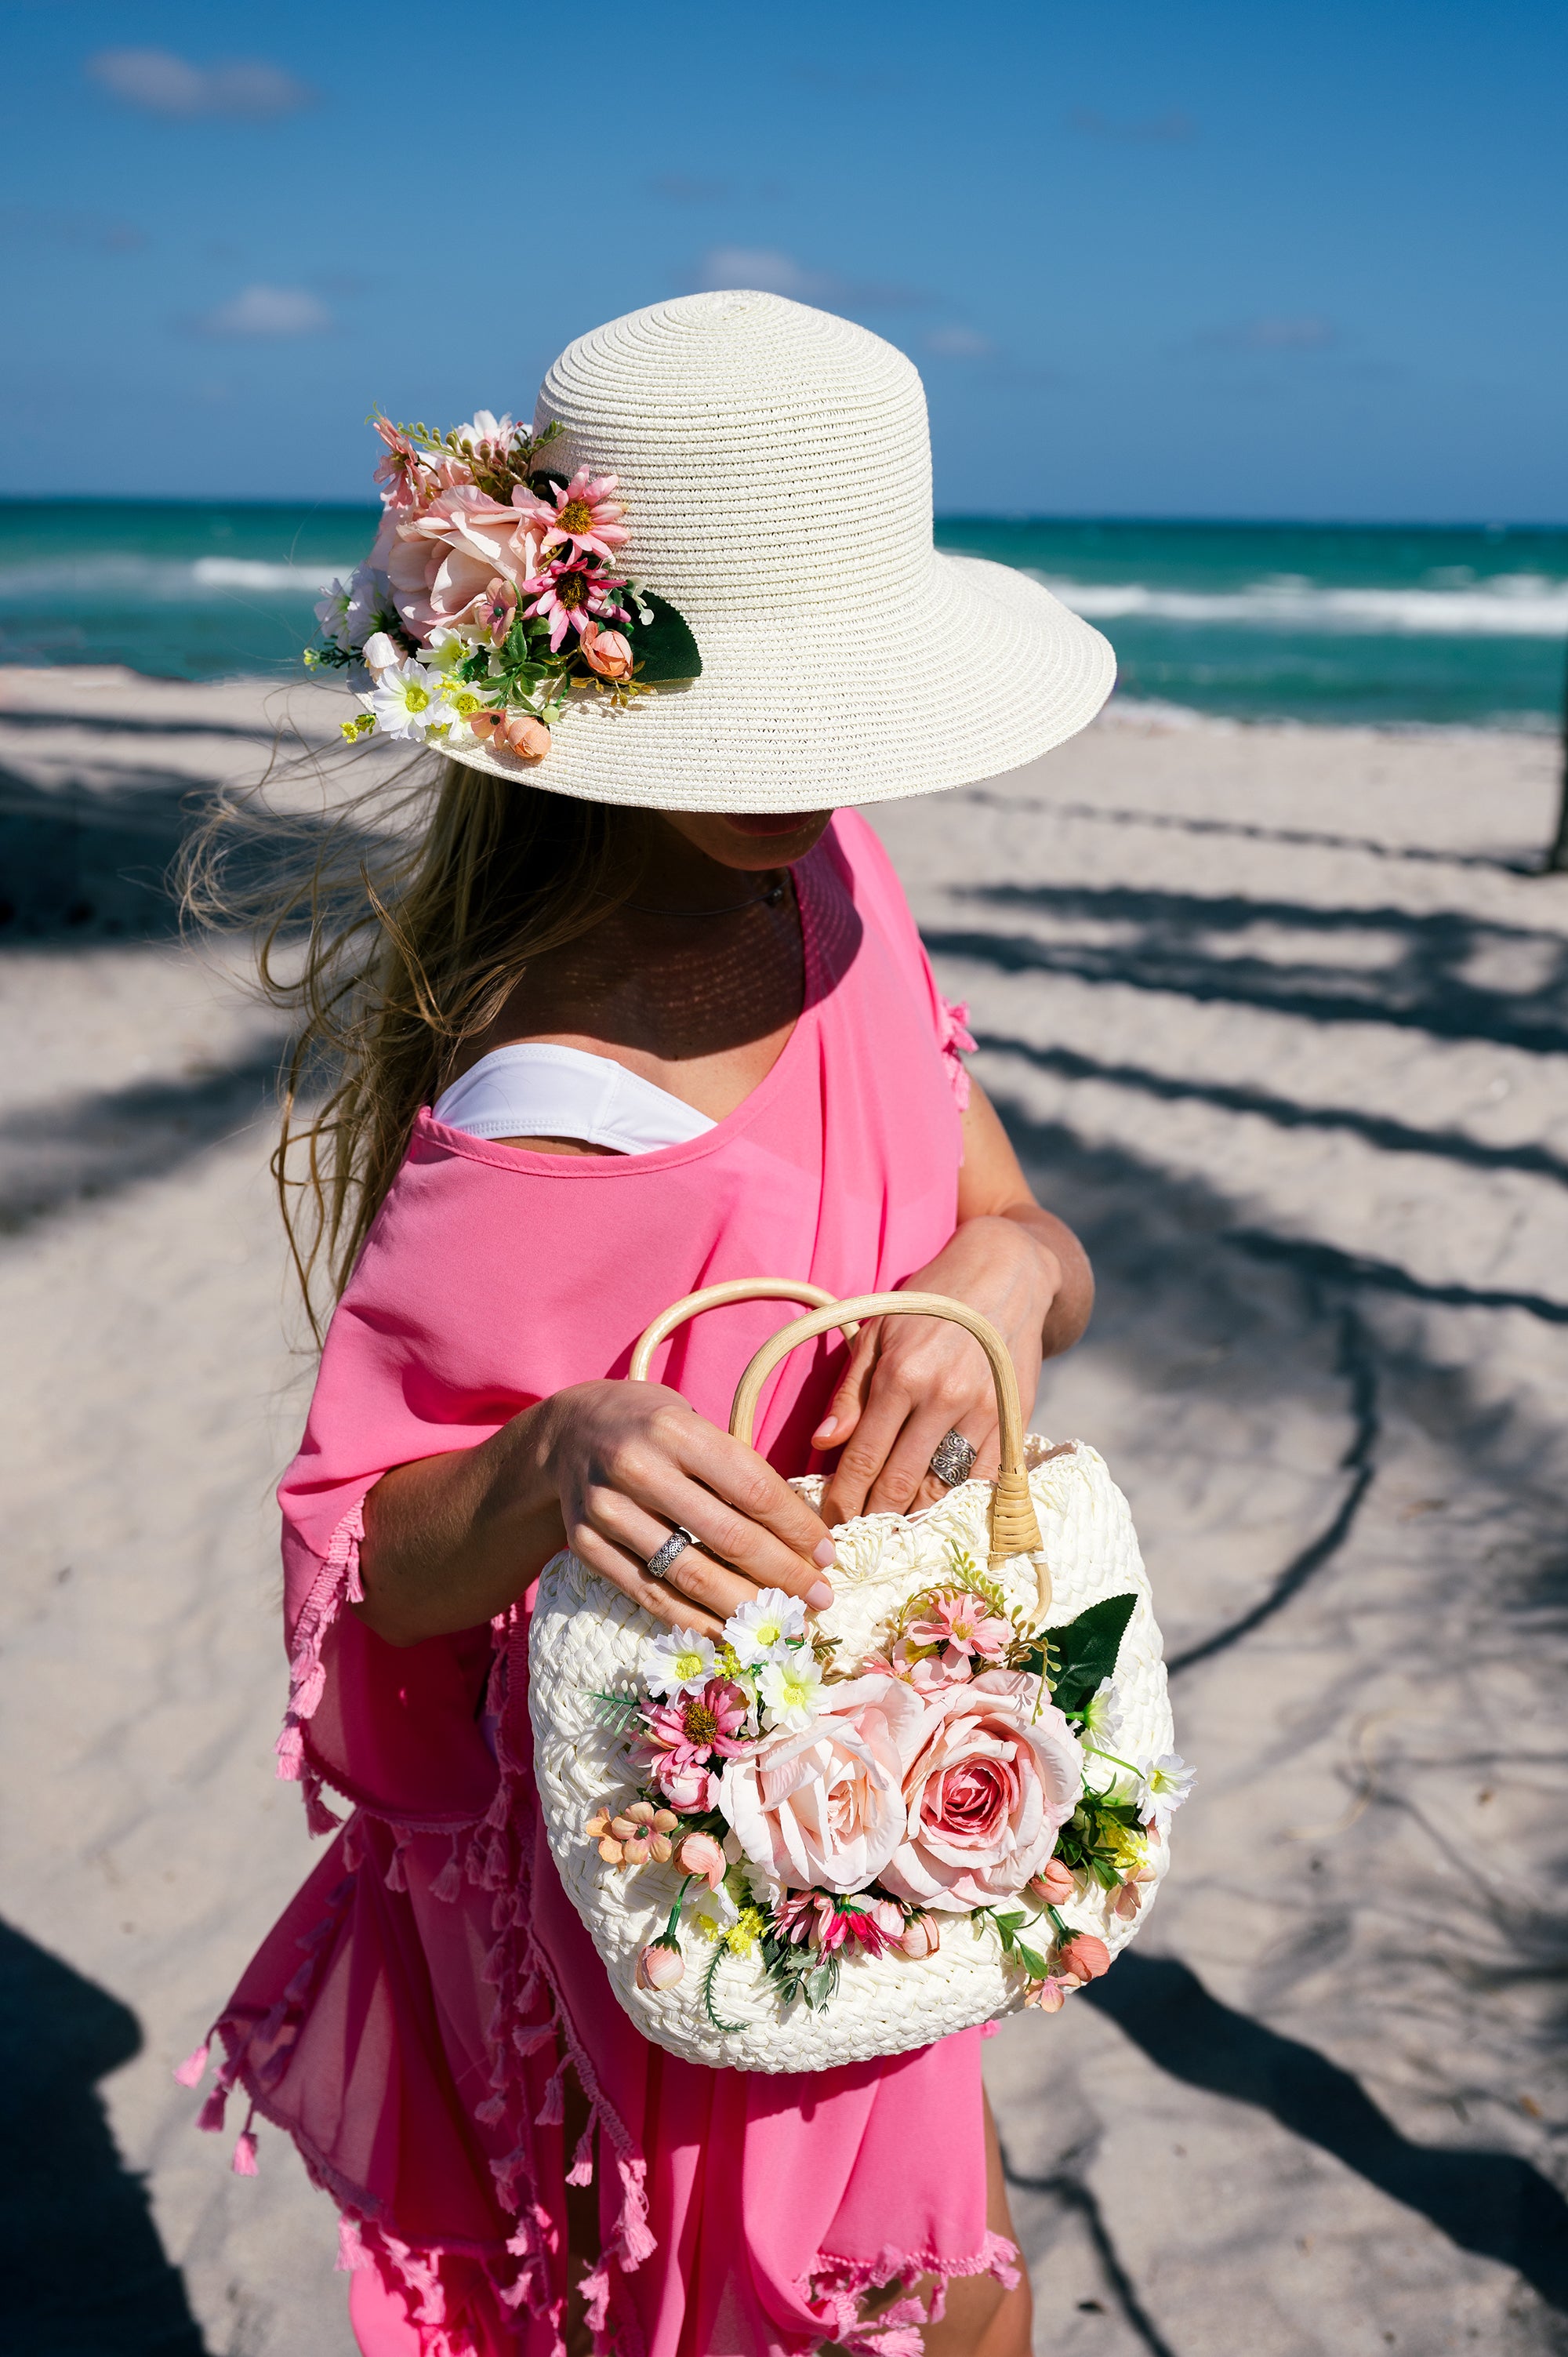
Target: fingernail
819, 1596
825, 1431
825, 1552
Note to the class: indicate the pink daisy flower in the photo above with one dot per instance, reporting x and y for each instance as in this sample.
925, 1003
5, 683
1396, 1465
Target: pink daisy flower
583, 517
964, 1622
573, 594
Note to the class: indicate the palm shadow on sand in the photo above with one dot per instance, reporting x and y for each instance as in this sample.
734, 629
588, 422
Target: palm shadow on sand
85, 2273
1492, 2203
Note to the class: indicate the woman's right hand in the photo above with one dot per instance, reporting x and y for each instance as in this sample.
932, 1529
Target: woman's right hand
631, 1461
608, 1469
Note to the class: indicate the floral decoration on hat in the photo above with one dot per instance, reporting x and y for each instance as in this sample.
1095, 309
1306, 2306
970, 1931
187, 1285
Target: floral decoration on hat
491, 591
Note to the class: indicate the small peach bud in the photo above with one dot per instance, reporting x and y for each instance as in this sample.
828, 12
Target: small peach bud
922, 1936
1053, 1884
666, 1820
608, 653
612, 1852
701, 1853
1083, 1957
659, 1967
527, 737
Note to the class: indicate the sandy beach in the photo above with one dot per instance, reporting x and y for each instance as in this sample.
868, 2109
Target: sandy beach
1279, 1019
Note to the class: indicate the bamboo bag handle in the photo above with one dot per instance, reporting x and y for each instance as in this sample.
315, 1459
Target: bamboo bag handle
1015, 1529
718, 1297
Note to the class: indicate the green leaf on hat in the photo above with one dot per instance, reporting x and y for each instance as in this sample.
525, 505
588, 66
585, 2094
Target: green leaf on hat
664, 649
1087, 1649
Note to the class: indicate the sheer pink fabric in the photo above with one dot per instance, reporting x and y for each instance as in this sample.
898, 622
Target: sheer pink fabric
415, 2017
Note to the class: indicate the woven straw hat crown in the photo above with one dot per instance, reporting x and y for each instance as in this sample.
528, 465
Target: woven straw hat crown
776, 465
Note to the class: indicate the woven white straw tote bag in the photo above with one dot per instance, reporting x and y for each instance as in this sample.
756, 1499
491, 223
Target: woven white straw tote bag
1055, 1538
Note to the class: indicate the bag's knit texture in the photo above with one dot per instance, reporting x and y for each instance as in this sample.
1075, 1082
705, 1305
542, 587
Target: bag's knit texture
588, 1637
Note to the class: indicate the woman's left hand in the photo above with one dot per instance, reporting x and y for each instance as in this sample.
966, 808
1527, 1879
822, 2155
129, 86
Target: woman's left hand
910, 1381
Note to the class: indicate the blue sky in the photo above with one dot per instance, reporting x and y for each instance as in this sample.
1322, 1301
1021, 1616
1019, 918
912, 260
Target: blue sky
1216, 260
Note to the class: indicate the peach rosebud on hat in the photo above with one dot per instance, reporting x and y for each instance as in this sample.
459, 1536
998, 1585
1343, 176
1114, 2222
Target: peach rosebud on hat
608, 653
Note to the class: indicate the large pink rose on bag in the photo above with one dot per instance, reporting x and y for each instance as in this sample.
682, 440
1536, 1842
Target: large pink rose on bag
823, 1809
988, 1791
445, 559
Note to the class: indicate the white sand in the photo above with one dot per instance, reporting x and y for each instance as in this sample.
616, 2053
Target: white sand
1279, 1026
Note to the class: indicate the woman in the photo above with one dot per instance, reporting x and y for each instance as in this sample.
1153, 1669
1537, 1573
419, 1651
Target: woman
630, 1012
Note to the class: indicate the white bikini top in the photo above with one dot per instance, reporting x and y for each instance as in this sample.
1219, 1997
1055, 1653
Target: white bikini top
534, 1090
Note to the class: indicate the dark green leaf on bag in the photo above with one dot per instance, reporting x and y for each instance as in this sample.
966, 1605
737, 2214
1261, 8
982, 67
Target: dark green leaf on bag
1087, 1649
663, 649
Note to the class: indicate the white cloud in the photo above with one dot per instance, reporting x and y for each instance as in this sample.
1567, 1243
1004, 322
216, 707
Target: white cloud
1308, 333
960, 343
268, 311
771, 272
161, 83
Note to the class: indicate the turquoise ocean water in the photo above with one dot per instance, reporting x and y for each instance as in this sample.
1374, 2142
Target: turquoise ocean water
1313, 622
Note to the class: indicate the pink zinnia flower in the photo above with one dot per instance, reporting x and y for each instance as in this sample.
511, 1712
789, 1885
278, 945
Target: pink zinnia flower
965, 1622
682, 1737
573, 594
583, 517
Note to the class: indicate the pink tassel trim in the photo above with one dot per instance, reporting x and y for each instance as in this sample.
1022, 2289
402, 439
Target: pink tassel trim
188, 2073
337, 1583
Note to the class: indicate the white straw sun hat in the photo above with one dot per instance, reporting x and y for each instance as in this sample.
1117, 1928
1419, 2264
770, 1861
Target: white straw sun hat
776, 466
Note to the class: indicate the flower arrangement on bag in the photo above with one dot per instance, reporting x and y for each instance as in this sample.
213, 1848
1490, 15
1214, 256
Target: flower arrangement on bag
491, 591
815, 1813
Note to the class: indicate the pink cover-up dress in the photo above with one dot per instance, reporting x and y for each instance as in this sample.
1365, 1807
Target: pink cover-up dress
413, 2017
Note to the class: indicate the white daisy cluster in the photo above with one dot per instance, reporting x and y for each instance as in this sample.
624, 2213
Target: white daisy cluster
766, 1653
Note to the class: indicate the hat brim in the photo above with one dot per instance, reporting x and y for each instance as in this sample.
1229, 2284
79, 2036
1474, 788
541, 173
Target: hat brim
981, 673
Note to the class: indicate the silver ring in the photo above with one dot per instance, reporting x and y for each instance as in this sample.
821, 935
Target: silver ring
953, 1461
659, 1561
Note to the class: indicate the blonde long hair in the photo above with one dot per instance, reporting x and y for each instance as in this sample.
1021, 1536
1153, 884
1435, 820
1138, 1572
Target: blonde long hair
392, 928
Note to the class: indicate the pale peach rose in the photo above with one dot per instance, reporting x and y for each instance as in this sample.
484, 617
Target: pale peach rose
990, 1787
608, 653
823, 1809
445, 559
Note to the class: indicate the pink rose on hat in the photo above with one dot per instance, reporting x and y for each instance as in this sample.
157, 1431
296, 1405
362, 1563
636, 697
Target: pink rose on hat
446, 559
824, 1807
990, 1787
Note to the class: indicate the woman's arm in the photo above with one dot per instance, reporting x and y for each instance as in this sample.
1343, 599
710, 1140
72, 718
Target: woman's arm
910, 1379
607, 1468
